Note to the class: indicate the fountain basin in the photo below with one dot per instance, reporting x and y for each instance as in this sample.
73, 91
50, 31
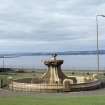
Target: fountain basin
41, 86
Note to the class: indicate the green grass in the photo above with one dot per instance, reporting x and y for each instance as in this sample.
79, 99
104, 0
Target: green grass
53, 100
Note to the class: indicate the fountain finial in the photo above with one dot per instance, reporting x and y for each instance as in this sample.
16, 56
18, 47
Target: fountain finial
54, 56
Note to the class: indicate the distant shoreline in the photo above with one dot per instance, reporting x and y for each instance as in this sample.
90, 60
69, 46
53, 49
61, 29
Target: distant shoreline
44, 69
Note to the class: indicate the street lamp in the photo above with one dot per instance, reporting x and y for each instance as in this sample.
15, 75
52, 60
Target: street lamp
98, 65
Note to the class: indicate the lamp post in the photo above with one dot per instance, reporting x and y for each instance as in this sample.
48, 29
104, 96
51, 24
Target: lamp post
98, 63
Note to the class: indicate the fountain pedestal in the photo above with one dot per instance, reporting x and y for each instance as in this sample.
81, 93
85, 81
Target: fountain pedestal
54, 74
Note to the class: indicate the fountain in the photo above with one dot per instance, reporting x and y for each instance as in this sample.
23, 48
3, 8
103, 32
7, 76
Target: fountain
54, 80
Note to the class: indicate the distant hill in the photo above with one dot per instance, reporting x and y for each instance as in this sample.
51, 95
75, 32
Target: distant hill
63, 53
14, 55
81, 52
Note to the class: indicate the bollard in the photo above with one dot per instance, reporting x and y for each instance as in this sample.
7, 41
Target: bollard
1, 83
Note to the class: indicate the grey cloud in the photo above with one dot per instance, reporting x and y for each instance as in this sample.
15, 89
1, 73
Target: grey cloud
52, 21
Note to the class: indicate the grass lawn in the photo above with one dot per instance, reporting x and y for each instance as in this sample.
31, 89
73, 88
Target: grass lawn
53, 100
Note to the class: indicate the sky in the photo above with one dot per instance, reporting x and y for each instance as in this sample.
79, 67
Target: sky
50, 25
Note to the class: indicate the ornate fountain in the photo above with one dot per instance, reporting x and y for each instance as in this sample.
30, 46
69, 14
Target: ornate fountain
54, 80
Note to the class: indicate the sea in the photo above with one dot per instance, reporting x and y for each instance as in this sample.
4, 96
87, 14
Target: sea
71, 62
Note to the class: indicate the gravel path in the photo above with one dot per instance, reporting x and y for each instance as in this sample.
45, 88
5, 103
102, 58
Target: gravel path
7, 93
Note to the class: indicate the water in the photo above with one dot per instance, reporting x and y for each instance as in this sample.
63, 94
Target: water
88, 62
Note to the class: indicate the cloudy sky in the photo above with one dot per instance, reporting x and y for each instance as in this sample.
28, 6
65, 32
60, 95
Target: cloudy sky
50, 25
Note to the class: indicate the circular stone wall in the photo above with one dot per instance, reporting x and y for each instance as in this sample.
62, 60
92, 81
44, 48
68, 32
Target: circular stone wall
38, 85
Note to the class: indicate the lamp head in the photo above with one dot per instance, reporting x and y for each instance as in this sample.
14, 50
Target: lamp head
101, 15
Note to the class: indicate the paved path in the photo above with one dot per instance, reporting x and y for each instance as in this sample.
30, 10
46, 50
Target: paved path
6, 93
